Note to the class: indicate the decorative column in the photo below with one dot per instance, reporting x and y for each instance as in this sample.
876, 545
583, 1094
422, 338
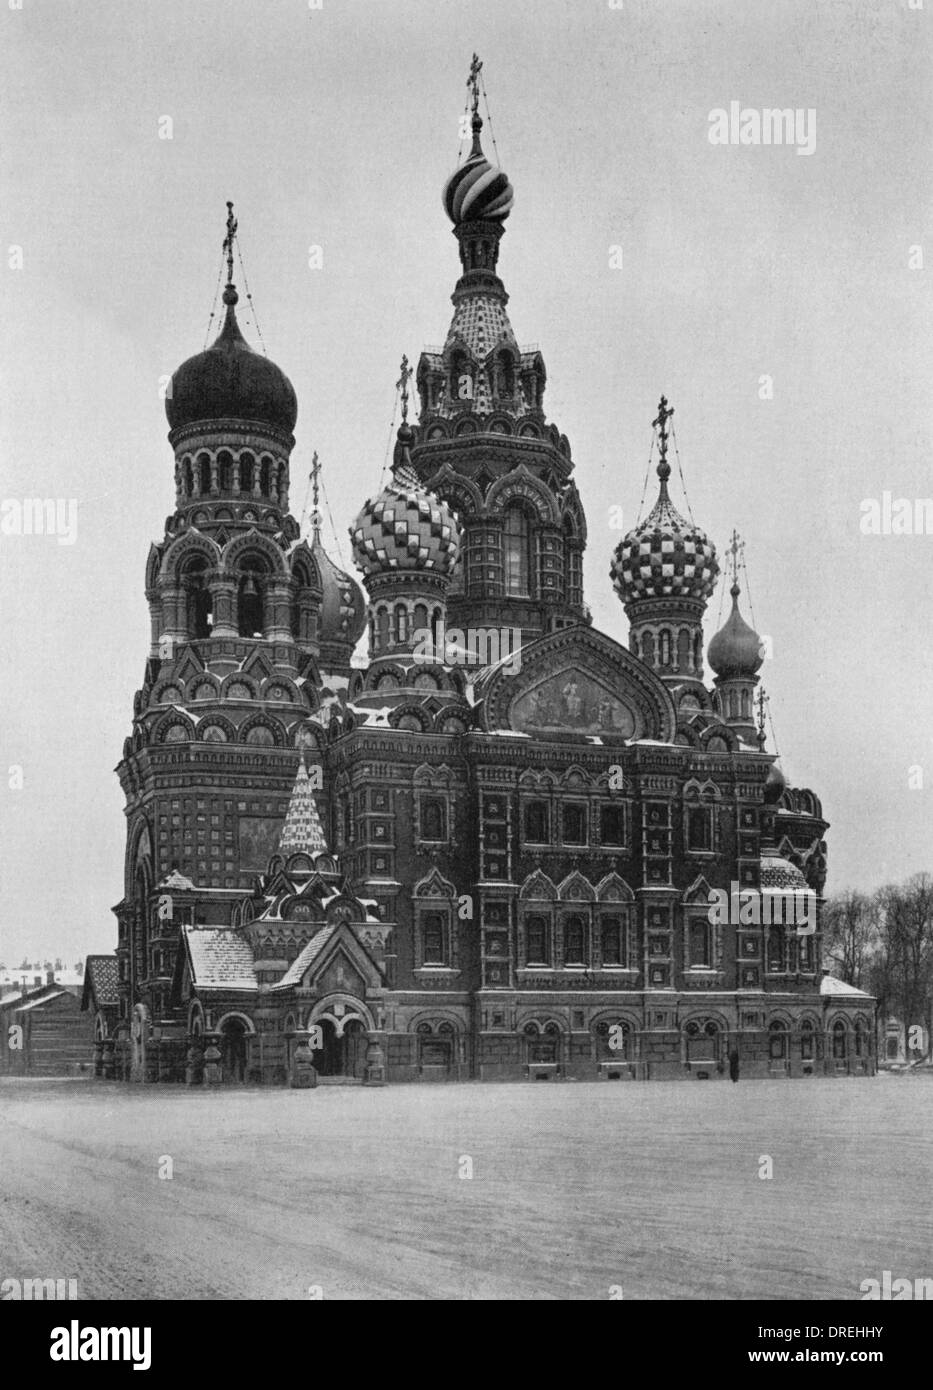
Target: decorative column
375, 1061
278, 626
223, 595
303, 1071
212, 1072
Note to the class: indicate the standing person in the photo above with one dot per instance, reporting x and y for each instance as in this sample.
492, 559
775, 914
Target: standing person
734, 1064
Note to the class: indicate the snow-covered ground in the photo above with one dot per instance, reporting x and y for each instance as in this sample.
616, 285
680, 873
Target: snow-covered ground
576, 1189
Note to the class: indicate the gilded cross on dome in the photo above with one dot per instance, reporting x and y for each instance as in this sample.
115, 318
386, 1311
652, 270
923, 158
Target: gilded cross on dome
402, 385
228, 241
476, 68
315, 479
734, 551
660, 424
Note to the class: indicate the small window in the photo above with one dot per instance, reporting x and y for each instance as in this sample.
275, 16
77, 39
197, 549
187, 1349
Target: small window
699, 942
839, 1041
777, 1042
433, 928
612, 825
574, 941
433, 819
700, 828
536, 929
613, 941
574, 825
537, 826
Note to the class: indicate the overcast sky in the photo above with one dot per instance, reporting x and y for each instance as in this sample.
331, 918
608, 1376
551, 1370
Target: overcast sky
336, 127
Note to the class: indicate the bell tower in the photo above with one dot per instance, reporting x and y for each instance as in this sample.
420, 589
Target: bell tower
483, 444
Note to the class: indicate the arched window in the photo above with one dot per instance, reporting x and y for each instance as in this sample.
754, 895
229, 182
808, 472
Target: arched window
382, 626
247, 466
265, 476
538, 946
204, 472
189, 478
516, 539
225, 471
420, 621
437, 621
647, 648
777, 1041
613, 1041
433, 818
700, 943
664, 648
506, 374
698, 650
839, 1041
683, 649
806, 1039
574, 941
700, 828
401, 623
433, 938
250, 609
198, 602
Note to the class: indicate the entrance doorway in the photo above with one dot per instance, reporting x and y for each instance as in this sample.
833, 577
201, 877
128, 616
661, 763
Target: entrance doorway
343, 1054
233, 1048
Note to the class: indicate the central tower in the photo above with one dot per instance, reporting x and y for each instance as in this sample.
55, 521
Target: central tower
483, 444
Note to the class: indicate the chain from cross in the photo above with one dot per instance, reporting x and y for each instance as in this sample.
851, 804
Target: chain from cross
476, 68
402, 385
228, 241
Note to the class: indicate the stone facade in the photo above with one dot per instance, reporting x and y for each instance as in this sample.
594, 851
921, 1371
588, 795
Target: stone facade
491, 851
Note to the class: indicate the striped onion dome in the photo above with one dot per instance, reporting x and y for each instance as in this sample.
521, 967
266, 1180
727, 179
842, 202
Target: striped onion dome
405, 527
477, 191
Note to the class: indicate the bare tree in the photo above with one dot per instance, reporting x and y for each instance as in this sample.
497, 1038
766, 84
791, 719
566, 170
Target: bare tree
851, 923
905, 958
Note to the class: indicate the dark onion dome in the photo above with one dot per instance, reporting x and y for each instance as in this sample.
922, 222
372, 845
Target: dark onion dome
343, 608
775, 785
477, 191
229, 381
405, 527
736, 648
665, 556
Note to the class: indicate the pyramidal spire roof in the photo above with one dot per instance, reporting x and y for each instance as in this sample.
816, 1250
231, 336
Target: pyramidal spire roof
302, 830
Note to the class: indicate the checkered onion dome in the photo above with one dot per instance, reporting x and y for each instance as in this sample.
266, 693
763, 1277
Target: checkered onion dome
663, 557
780, 874
405, 528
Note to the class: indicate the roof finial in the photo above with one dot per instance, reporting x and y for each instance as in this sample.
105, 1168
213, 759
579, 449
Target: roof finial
762, 704
230, 295
402, 385
315, 492
735, 550
660, 424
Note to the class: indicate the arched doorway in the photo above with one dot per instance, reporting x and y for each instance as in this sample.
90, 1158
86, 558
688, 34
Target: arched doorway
343, 1048
233, 1051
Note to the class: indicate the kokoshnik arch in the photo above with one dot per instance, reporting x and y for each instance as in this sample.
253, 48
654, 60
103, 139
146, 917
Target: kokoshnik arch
435, 869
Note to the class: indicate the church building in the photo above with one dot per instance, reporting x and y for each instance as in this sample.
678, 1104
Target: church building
501, 846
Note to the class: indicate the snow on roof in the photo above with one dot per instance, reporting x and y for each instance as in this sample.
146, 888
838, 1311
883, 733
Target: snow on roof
40, 1000
220, 958
830, 985
306, 957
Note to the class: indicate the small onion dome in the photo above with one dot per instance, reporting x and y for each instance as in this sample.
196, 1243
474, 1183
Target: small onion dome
405, 527
736, 648
781, 875
665, 556
343, 607
478, 191
229, 381
775, 785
